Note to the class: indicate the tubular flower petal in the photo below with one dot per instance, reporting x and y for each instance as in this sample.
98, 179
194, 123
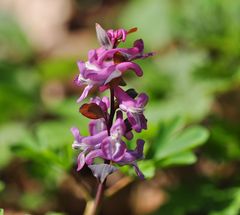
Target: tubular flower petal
134, 108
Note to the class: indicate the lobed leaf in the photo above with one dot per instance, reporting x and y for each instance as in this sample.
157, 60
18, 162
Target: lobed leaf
188, 139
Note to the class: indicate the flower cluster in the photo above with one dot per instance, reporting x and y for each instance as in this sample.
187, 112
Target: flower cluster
112, 119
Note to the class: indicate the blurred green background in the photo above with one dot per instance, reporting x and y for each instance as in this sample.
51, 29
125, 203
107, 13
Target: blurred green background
193, 141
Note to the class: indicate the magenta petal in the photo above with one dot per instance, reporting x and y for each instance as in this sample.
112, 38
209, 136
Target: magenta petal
139, 148
95, 139
123, 97
107, 54
103, 88
114, 74
134, 121
118, 127
92, 55
85, 92
138, 171
96, 126
76, 134
103, 103
106, 100
123, 67
143, 121
139, 44
80, 161
81, 66
92, 155
132, 155
113, 150
142, 100
138, 121
99, 77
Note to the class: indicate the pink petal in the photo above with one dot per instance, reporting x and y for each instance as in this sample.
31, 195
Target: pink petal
80, 161
113, 150
85, 92
92, 155
123, 67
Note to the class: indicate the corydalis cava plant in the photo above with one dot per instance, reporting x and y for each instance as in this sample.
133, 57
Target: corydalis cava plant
116, 118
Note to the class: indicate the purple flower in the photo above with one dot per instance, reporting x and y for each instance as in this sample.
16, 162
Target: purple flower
89, 143
130, 54
107, 132
112, 147
134, 108
111, 38
96, 126
100, 73
99, 144
131, 156
117, 36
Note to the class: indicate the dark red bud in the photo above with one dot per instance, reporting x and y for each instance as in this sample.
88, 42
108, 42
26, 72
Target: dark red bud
91, 111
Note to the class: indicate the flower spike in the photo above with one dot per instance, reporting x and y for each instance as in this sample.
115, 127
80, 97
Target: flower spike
112, 120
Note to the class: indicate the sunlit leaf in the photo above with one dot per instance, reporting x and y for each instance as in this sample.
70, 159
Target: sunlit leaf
188, 139
183, 158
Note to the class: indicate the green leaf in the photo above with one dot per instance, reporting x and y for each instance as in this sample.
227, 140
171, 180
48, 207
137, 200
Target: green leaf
63, 68
233, 208
166, 130
10, 133
183, 158
32, 200
182, 141
53, 134
147, 167
173, 143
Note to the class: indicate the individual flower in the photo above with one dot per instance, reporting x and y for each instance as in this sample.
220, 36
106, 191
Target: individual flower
128, 54
113, 147
89, 143
133, 107
117, 36
111, 38
100, 74
131, 156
